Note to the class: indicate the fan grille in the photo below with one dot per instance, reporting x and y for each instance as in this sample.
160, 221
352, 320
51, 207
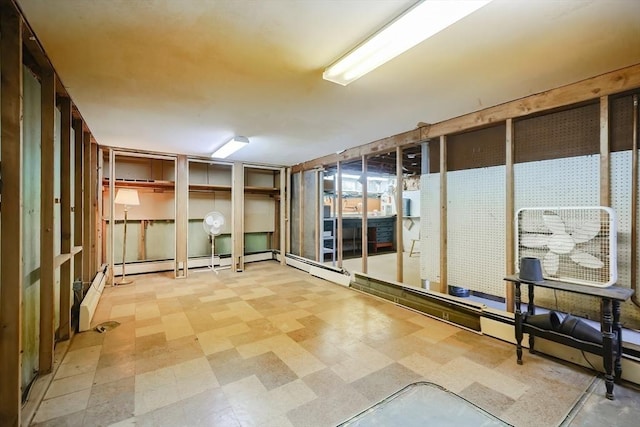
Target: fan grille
575, 245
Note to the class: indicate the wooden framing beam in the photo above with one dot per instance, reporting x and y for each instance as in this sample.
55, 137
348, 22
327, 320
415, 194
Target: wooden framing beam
64, 330
443, 214
47, 227
399, 214
181, 270
237, 217
77, 197
339, 232
318, 205
634, 202
383, 145
585, 90
11, 224
284, 214
112, 214
605, 84
301, 217
510, 214
605, 155
96, 221
87, 211
288, 210
365, 210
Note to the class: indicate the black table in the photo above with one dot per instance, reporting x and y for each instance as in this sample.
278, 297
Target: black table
611, 347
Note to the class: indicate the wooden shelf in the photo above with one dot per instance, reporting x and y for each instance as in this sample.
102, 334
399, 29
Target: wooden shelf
209, 187
119, 183
262, 190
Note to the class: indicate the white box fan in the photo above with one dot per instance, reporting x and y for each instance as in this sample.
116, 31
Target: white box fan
212, 224
574, 244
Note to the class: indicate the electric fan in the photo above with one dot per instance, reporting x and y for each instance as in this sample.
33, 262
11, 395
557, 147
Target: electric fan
212, 224
575, 244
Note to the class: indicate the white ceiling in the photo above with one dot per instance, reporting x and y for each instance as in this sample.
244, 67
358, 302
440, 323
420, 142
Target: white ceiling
184, 76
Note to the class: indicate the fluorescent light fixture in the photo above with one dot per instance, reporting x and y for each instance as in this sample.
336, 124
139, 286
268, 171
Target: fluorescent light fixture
417, 24
236, 143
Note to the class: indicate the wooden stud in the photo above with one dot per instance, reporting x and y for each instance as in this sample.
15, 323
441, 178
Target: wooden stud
605, 168
338, 207
443, 214
365, 210
95, 213
284, 214
399, 214
87, 210
99, 255
66, 281
11, 224
288, 224
319, 226
47, 227
301, 217
237, 217
634, 203
510, 214
112, 214
182, 216
77, 205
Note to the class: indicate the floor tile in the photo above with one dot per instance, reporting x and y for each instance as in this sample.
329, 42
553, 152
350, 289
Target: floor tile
274, 346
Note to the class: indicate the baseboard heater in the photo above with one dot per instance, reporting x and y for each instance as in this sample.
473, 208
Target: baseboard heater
332, 274
442, 306
90, 301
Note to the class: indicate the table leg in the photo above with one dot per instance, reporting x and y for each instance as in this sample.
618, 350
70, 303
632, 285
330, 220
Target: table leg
531, 309
607, 344
617, 329
518, 323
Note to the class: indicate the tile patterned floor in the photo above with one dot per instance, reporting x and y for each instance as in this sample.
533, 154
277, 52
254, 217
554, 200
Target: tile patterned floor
273, 346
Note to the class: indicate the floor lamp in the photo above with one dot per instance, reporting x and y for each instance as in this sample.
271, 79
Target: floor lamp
127, 197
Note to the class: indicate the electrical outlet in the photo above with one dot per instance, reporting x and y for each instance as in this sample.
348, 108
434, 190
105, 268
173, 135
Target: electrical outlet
445, 315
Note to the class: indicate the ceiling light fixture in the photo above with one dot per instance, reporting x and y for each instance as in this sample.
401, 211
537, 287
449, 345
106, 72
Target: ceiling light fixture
236, 143
418, 23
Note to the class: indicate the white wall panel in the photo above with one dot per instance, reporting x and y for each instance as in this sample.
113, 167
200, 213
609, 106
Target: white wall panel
430, 227
476, 229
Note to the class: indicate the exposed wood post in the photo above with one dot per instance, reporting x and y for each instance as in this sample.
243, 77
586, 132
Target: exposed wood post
605, 174
77, 204
284, 214
11, 224
443, 214
289, 186
237, 217
87, 210
510, 213
365, 210
112, 215
338, 209
399, 214
64, 330
47, 227
319, 226
95, 213
181, 269
99, 224
301, 215
634, 203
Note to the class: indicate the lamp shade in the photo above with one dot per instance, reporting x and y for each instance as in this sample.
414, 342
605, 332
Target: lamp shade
127, 196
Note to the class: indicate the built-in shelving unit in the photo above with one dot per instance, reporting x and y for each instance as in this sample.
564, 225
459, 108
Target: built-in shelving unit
329, 239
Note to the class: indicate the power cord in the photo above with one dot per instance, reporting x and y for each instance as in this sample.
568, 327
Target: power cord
587, 360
